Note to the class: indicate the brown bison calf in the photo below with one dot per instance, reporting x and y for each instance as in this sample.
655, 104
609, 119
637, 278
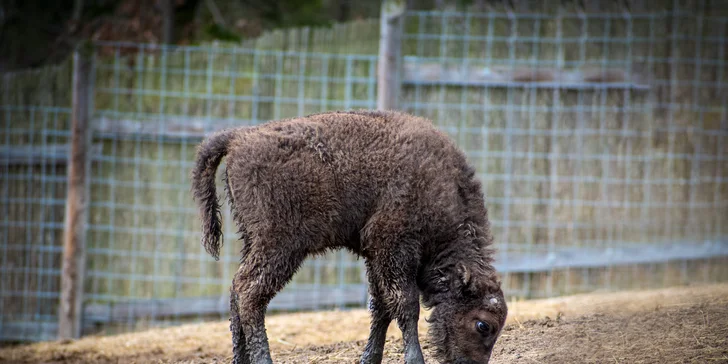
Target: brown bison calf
388, 187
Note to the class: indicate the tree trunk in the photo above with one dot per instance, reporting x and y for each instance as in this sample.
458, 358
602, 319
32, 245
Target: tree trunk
167, 21
77, 10
343, 10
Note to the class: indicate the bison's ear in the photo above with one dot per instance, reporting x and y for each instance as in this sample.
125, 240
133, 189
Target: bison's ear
464, 274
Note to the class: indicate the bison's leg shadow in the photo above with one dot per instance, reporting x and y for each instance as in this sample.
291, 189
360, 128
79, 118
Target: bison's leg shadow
262, 274
240, 355
381, 318
395, 274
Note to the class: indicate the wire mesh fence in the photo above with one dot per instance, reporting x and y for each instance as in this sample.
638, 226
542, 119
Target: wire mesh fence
33, 201
34, 136
600, 138
144, 263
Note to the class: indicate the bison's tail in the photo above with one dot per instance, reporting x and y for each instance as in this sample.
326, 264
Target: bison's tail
209, 155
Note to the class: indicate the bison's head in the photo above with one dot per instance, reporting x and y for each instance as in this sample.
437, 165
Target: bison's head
466, 322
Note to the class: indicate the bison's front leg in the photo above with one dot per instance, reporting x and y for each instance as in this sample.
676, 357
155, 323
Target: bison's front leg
395, 275
381, 319
407, 314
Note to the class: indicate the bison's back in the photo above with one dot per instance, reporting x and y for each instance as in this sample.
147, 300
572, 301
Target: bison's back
327, 174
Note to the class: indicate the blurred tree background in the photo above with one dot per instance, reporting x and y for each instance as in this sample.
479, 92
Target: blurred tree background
38, 32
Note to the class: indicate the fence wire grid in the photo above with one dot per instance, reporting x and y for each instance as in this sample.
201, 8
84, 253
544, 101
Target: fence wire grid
601, 141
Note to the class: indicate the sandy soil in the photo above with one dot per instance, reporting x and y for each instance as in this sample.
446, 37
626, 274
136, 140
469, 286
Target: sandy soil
678, 325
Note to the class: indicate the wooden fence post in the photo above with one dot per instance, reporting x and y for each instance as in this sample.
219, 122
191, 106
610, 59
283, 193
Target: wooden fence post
390, 53
74, 230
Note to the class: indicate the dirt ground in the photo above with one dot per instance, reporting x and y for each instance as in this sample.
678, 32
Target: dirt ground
677, 325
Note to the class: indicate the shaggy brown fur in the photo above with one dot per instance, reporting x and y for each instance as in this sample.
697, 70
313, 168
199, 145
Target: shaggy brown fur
387, 186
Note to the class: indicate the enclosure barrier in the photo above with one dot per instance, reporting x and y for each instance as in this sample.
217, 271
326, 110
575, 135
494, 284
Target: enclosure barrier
600, 138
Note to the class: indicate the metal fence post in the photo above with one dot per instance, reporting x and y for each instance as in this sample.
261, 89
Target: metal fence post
74, 233
390, 53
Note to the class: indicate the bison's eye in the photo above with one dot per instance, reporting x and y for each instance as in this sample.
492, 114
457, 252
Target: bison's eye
482, 327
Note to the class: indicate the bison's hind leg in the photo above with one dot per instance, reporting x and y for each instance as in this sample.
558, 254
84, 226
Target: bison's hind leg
266, 268
240, 355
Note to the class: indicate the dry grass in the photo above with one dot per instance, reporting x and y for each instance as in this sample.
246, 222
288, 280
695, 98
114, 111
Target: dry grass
324, 334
